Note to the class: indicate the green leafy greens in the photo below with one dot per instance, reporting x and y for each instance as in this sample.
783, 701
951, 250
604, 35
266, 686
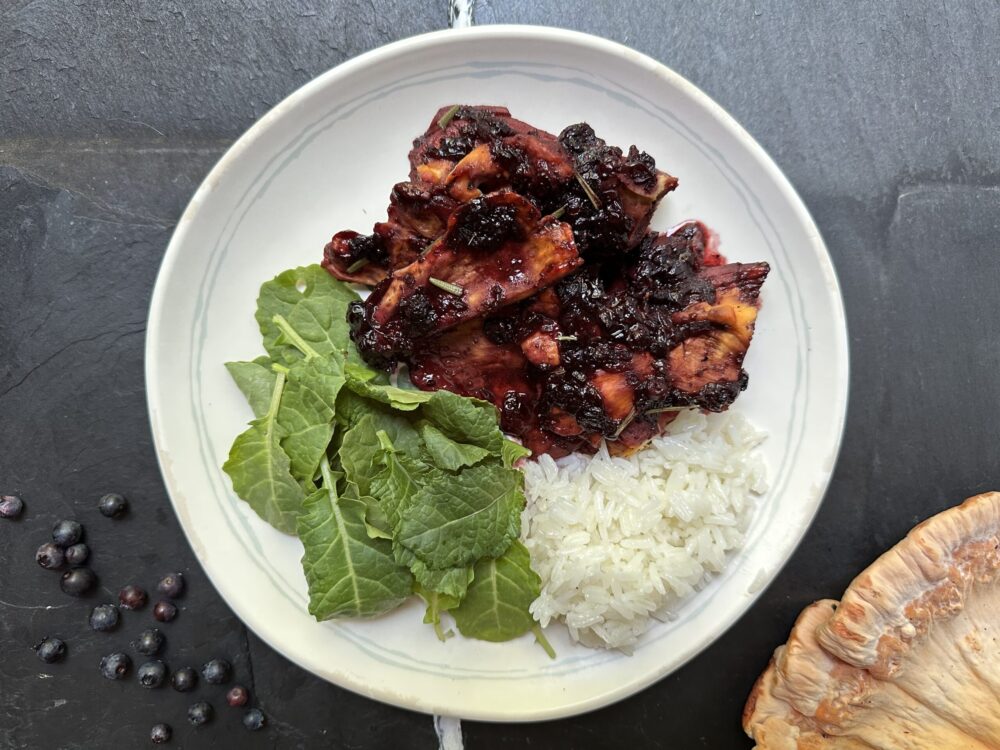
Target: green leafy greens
393, 491
261, 471
349, 574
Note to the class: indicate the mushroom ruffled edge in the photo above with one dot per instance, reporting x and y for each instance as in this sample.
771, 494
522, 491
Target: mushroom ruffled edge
907, 659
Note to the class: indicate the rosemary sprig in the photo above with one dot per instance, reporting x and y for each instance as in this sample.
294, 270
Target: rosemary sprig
588, 190
557, 214
358, 265
447, 286
665, 409
447, 117
560, 337
625, 423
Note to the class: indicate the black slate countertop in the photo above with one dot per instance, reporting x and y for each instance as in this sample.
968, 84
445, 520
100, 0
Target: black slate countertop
885, 116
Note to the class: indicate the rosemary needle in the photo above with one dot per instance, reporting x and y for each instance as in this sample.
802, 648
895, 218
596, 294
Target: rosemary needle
447, 286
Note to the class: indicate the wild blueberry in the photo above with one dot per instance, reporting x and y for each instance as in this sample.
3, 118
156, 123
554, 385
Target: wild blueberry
216, 671
78, 581
152, 674
112, 505
10, 506
171, 585
50, 650
66, 533
149, 642
200, 713
184, 679
77, 554
253, 719
115, 666
160, 734
132, 597
50, 557
237, 696
104, 617
164, 611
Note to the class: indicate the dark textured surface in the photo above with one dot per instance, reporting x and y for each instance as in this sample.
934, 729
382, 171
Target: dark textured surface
885, 117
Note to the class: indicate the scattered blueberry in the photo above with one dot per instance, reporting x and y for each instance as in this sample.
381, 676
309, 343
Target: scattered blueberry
132, 597
50, 557
253, 719
200, 713
237, 696
104, 617
152, 674
164, 611
171, 585
149, 642
77, 554
10, 506
67, 533
50, 650
184, 679
160, 734
216, 671
115, 666
78, 581
112, 505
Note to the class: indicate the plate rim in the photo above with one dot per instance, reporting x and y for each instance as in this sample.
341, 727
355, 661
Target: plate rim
408, 45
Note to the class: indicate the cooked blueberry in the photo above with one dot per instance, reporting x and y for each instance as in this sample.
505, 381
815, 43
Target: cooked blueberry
132, 597
171, 585
10, 506
50, 650
115, 666
160, 734
216, 671
104, 617
184, 679
78, 581
66, 533
152, 674
164, 611
149, 642
237, 696
77, 554
253, 719
200, 713
112, 505
50, 557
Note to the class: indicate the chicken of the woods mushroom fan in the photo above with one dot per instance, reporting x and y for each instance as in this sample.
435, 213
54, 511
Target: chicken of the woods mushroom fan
908, 659
527, 402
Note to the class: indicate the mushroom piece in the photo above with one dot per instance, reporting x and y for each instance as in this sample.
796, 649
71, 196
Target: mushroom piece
909, 658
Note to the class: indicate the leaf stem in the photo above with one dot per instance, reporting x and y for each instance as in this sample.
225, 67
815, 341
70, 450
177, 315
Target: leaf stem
440, 632
292, 335
272, 409
279, 368
324, 469
542, 641
385, 441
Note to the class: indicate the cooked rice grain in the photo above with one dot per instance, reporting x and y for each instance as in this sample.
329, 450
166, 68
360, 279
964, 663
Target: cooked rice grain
619, 542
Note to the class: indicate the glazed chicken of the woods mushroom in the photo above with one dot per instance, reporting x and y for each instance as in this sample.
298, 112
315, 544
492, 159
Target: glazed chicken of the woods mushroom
909, 659
517, 266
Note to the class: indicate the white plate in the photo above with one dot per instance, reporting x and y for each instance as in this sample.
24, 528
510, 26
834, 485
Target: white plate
324, 159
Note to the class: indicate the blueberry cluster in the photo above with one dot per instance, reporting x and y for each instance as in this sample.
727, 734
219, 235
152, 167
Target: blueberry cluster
68, 552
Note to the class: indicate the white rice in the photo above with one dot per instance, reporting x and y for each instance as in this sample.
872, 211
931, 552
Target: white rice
619, 542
